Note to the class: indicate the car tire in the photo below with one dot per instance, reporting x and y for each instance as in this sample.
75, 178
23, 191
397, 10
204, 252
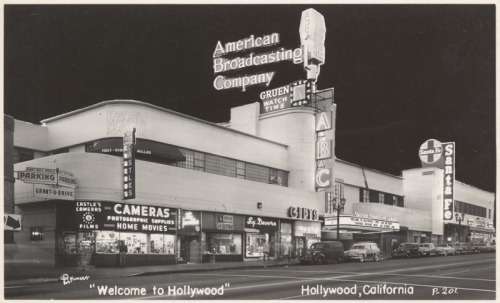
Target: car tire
445, 253
361, 259
340, 260
407, 255
320, 260
376, 258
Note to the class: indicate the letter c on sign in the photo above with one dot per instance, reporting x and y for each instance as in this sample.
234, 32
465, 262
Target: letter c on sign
323, 177
117, 210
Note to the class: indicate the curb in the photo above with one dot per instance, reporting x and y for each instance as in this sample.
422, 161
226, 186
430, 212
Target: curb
152, 273
13, 283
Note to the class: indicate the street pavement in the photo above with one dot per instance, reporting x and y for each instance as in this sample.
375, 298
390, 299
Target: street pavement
469, 277
31, 272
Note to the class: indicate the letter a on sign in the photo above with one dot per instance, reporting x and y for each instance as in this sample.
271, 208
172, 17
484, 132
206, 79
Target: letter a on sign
323, 121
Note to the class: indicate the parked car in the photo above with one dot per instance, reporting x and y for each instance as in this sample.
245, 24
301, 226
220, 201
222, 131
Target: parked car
326, 251
473, 248
445, 249
484, 248
362, 251
460, 248
427, 249
406, 250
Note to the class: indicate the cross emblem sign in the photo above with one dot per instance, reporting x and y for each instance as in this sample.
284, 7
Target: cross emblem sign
430, 151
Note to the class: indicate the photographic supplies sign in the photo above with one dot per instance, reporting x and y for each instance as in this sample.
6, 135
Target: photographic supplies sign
53, 192
93, 215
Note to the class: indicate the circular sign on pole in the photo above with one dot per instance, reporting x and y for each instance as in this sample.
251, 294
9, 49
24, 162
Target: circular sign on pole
431, 151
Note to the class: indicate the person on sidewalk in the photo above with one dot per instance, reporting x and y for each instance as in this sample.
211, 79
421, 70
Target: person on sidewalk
123, 253
286, 252
265, 251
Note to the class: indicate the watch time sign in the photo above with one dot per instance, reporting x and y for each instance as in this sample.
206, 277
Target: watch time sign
295, 94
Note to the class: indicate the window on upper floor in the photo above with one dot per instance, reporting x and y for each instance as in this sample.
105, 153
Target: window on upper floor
61, 151
365, 195
240, 170
23, 154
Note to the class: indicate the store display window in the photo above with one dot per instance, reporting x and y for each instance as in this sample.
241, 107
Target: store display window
107, 242
136, 242
224, 243
70, 243
162, 244
255, 244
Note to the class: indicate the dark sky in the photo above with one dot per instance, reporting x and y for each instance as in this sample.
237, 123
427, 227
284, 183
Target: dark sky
402, 73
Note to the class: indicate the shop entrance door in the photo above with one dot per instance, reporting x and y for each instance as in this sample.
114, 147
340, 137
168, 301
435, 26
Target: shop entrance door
272, 246
191, 249
185, 248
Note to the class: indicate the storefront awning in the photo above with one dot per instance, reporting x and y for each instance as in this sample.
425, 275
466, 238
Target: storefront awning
143, 147
354, 224
482, 230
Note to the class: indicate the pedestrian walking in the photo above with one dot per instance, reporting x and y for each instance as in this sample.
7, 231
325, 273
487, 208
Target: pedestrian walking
286, 252
265, 251
123, 253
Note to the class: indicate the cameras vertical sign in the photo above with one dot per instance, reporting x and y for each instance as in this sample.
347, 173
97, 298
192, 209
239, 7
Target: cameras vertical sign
129, 165
449, 179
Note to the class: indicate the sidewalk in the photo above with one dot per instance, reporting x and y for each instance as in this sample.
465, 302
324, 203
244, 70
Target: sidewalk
30, 273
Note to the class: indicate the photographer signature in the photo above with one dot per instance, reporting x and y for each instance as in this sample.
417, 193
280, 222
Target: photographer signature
66, 279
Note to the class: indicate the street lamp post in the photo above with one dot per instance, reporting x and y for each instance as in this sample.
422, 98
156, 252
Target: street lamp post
459, 219
339, 203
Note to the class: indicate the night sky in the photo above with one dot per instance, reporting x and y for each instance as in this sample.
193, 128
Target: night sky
402, 74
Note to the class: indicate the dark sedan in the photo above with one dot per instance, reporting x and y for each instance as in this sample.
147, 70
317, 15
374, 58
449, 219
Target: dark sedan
406, 250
